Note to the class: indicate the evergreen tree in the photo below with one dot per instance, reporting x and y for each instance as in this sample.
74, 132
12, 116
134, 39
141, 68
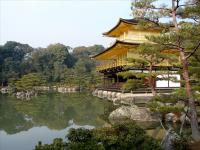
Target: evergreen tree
147, 57
179, 35
29, 82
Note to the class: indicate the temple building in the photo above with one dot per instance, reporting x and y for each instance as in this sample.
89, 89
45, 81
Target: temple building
114, 59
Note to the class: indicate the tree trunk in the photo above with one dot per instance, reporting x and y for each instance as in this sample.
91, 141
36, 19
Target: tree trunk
151, 80
191, 101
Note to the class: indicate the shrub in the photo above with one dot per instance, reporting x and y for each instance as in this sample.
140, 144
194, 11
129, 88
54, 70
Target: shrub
57, 144
119, 137
181, 142
82, 139
132, 84
126, 136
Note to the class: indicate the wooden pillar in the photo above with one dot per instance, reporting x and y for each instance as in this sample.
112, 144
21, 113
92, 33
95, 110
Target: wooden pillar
104, 81
168, 77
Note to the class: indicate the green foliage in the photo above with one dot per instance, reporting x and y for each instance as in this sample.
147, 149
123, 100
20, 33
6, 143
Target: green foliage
52, 62
132, 84
29, 81
161, 103
156, 107
13, 60
55, 64
187, 38
124, 136
181, 142
57, 144
168, 98
83, 51
192, 11
150, 54
126, 74
82, 139
120, 136
144, 10
195, 73
84, 69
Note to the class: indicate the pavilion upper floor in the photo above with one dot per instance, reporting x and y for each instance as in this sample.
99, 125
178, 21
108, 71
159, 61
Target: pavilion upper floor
129, 35
129, 30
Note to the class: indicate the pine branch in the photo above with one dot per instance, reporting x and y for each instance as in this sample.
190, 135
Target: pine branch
198, 45
160, 8
196, 20
183, 5
154, 22
196, 57
171, 45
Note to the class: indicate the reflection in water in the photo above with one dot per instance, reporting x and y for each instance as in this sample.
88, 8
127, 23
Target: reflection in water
26, 140
24, 123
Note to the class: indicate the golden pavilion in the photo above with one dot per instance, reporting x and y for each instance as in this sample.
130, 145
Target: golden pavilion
114, 59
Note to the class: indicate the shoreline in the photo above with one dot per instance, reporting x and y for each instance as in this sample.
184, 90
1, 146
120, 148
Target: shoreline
123, 98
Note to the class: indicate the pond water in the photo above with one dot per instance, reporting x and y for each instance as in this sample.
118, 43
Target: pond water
24, 123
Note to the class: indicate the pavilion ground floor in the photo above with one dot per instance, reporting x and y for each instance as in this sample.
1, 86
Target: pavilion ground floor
166, 80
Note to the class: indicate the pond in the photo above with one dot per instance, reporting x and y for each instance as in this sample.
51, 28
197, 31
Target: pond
24, 123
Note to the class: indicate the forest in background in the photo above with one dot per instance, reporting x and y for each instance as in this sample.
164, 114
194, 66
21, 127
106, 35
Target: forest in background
21, 64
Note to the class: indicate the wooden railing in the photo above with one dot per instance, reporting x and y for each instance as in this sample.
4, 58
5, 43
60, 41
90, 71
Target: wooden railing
114, 64
118, 88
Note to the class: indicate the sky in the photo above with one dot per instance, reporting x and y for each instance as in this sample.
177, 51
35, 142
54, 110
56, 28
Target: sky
70, 22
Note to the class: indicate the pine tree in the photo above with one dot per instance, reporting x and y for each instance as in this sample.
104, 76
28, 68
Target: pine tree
149, 56
179, 35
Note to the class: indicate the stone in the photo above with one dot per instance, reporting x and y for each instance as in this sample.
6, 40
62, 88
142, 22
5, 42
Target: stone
113, 95
109, 96
133, 113
107, 125
171, 117
4, 90
105, 94
25, 95
20, 95
68, 89
197, 92
122, 112
54, 88
144, 115
73, 89
168, 104
100, 93
42, 88
118, 95
116, 101
95, 92
186, 109
7, 89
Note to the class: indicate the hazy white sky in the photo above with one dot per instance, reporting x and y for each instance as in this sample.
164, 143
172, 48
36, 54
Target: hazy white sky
71, 22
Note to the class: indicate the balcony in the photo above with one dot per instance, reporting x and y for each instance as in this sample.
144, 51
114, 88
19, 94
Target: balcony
115, 64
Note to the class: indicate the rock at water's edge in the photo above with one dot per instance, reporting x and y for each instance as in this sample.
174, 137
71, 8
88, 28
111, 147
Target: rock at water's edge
133, 113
